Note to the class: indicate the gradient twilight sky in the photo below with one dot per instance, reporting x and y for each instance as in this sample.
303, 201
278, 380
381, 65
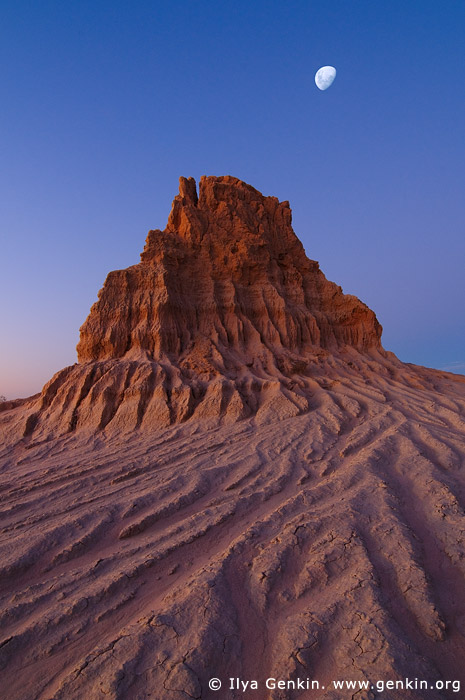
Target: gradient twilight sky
105, 104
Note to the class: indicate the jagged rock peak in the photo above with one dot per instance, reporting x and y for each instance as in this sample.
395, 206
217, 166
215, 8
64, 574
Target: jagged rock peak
224, 318
227, 283
237, 209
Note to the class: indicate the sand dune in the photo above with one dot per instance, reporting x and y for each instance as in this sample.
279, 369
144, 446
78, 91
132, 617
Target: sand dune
326, 545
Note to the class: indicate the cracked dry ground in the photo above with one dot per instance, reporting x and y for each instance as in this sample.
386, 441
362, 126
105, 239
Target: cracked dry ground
328, 545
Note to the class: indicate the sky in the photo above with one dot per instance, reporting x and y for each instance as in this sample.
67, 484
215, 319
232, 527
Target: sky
103, 105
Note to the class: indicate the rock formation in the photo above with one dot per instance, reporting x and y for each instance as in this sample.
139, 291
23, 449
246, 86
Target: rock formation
224, 317
225, 285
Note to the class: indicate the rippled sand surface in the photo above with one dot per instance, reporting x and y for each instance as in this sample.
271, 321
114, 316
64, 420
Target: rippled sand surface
327, 545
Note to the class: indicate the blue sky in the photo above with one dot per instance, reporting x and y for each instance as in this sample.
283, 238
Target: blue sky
105, 104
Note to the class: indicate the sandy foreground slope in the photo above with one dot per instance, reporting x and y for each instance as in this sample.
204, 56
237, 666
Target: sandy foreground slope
327, 545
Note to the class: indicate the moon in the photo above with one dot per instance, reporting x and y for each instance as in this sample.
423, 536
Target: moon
324, 77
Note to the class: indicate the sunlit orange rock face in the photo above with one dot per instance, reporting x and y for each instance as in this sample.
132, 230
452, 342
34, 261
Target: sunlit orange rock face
224, 317
225, 284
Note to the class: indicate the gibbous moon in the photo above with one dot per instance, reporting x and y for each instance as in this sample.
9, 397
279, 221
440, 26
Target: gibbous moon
324, 77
